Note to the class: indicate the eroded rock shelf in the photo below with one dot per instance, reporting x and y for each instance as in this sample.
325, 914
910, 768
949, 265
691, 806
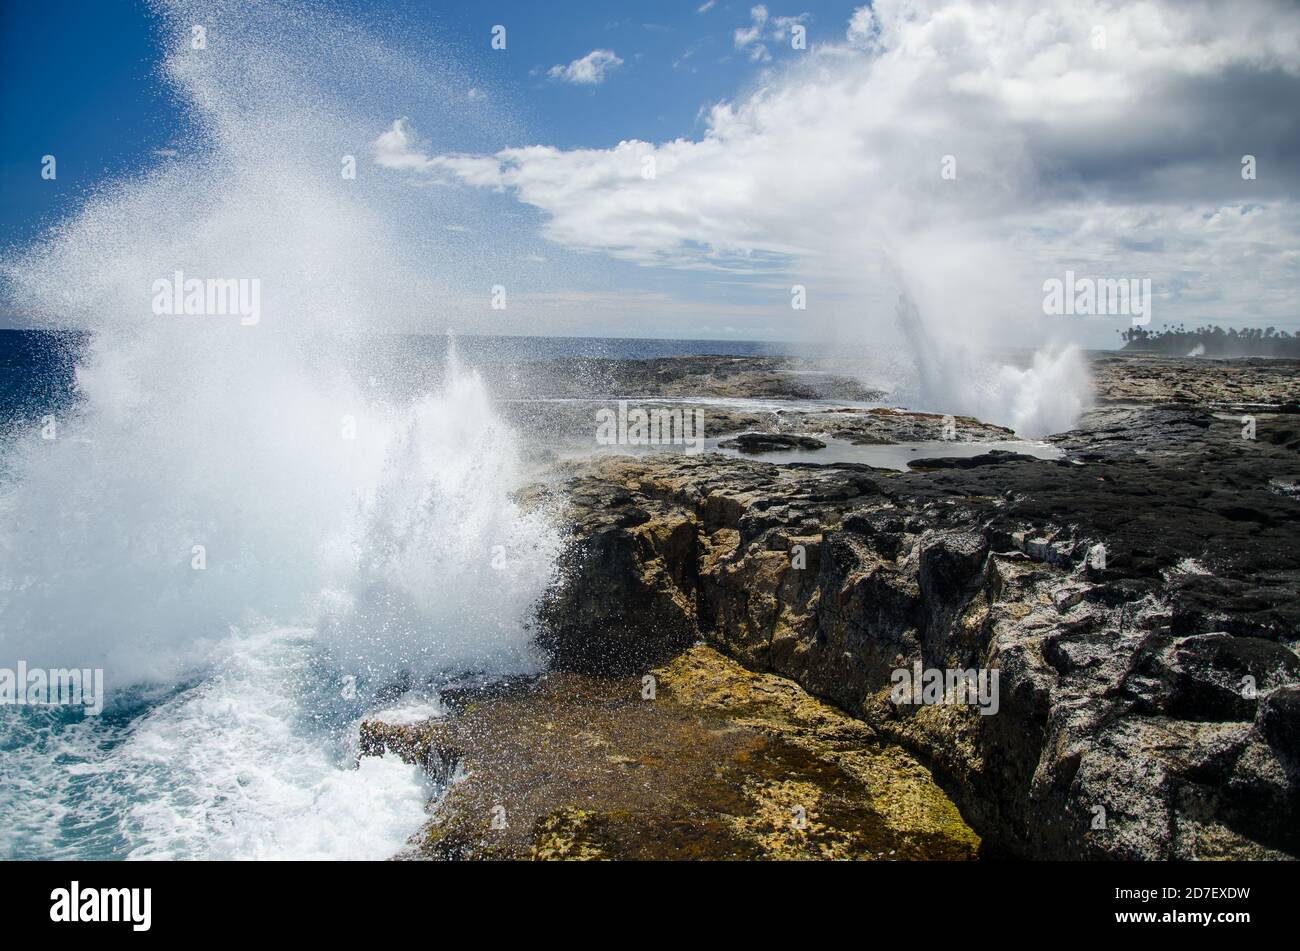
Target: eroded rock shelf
1149, 704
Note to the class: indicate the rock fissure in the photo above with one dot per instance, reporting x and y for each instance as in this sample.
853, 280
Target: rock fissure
1118, 679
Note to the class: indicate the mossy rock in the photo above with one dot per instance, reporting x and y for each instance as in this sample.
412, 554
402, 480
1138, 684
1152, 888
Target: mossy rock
722, 763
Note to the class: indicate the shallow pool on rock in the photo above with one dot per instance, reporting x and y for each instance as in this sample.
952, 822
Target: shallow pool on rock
895, 455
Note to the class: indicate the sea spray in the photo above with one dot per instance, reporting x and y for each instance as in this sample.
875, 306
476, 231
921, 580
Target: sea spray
390, 538
439, 531
220, 471
1046, 396
229, 521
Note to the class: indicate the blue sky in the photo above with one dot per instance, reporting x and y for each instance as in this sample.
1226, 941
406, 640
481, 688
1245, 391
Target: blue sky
665, 169
106, 116
97, 128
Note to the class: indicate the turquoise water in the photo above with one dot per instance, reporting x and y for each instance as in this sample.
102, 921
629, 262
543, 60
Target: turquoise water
254, 757
340, 576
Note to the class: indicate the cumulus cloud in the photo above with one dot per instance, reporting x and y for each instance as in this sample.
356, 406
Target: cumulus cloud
747, 37
762, 27
396, 148
862, 27
589, 70
969, 151
1049, 137
783, 27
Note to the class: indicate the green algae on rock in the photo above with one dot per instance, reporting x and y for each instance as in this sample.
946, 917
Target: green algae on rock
1122, 683
706, 760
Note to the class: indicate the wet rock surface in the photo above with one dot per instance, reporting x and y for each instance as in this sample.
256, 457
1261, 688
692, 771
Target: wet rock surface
771, 442
990, 458
1138, 599
577, 423
776, 377
1146, 703
706, 760
558, 401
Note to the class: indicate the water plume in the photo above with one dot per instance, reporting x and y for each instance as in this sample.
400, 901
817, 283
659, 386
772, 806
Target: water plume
231, 519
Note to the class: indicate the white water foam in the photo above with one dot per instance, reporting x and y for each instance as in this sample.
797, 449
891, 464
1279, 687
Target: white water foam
1043, 397
229, 523
442, 539
404, 543
235, 766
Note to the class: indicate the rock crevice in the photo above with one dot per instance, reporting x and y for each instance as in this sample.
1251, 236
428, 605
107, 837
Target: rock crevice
1147, 705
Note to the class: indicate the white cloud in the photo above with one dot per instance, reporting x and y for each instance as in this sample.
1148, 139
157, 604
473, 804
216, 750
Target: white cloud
1115, 162
781, 26
747, 37
862, 27
589, 70
763, 27
396, 148
838, 156
706, 7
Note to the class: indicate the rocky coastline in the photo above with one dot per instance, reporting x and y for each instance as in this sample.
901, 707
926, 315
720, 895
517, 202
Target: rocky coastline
1138, 597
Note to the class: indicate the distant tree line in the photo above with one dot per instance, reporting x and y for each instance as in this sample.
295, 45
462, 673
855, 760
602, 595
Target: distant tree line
1211, 341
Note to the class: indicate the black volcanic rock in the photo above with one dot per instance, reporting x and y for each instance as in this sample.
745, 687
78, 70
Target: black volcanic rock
1148, 699
992, 458
771, 442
